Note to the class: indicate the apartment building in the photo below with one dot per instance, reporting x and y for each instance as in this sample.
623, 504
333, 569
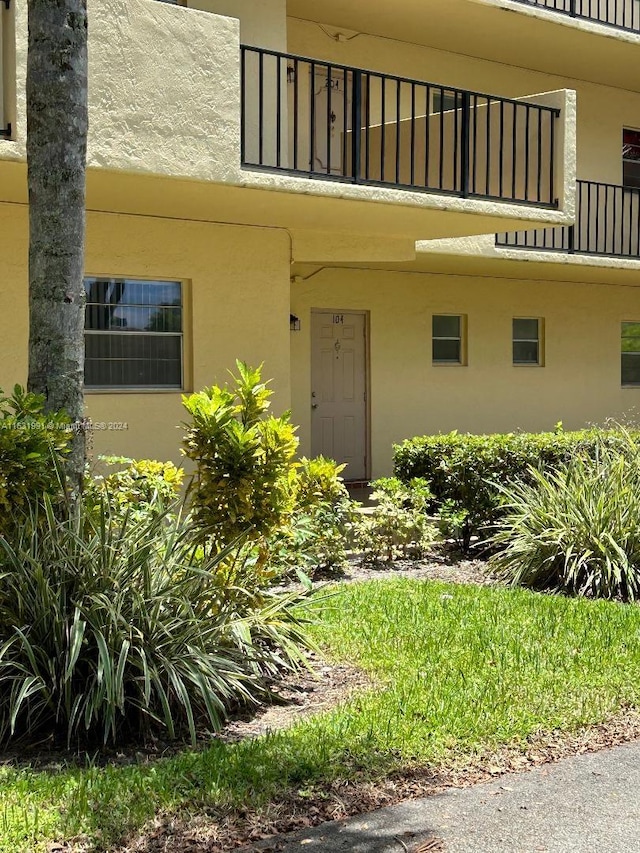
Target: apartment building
421, 215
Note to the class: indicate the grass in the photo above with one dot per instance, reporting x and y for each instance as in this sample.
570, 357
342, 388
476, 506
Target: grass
463, 670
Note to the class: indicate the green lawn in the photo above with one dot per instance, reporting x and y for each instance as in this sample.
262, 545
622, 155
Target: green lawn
464, 669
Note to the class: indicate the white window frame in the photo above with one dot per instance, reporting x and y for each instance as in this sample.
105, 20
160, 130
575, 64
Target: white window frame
635, 160
539, 340
624, 383
460, 338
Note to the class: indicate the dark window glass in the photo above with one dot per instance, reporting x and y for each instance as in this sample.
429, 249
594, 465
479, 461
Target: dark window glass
133, 334
526, 341
525, 330
630, 345
631, 158
525, 352
446, 326
446, 338
446, 101
446, 351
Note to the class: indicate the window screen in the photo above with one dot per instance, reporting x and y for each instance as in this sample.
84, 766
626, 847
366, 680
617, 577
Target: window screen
447, 339
526, 340
133, 333
630, 357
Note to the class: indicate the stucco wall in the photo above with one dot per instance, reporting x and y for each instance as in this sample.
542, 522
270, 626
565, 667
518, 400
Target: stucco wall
262, 22
237, 306
238, 295
580, 382
164, 101
164, 89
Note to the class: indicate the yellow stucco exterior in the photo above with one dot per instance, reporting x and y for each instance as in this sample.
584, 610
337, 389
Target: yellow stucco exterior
169, 199
236, 286
409, 395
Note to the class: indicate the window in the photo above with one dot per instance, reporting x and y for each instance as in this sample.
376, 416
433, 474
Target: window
445, 100
630, 158
447, 338
7, 69
526, 340
133, 333
630, 358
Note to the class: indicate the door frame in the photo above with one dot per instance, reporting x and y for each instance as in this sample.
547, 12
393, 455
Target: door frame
367, 378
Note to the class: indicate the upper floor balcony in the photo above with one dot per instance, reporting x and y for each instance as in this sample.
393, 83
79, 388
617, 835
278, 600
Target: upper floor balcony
607, 225
622, 14
587, 40
343, 124
187, 123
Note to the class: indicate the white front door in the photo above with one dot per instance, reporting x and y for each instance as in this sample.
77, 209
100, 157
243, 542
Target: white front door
339, 389
332, 105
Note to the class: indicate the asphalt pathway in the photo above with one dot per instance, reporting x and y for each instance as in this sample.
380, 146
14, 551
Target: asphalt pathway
581, 804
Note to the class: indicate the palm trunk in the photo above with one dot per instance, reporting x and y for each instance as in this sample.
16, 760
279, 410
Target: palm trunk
56, 161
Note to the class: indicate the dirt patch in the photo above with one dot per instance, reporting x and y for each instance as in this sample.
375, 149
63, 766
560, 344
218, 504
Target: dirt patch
438, 565
440, 568
299, 695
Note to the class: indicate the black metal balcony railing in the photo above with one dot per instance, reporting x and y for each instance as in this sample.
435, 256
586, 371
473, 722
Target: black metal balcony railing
607, 223
340, 123
623, 14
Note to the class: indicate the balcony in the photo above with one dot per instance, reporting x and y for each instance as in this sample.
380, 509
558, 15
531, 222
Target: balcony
196, 127
338, 123
542, 36
622, 14
607, 224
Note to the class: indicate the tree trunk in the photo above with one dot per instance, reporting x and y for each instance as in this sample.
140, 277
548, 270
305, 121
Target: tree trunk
56, 162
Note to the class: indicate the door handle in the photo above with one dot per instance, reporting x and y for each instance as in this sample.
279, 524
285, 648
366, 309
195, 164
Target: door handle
314, 405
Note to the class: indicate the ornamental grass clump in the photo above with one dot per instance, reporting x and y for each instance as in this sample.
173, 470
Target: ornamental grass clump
112, 628
576, 529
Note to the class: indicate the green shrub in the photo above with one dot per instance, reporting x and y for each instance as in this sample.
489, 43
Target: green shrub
138, 486
398, 524
244, 459
576, 529
32, 449
109, 628
466, 472
318, 481
316, 538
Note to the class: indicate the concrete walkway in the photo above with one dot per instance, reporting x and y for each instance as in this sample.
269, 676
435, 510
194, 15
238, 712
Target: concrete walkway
581, 804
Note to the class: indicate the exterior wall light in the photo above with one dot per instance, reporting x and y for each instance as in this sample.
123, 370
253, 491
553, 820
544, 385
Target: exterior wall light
294, 323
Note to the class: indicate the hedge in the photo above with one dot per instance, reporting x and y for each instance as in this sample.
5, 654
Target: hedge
465, 471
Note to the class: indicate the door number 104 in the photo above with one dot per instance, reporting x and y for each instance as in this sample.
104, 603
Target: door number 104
338, 319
